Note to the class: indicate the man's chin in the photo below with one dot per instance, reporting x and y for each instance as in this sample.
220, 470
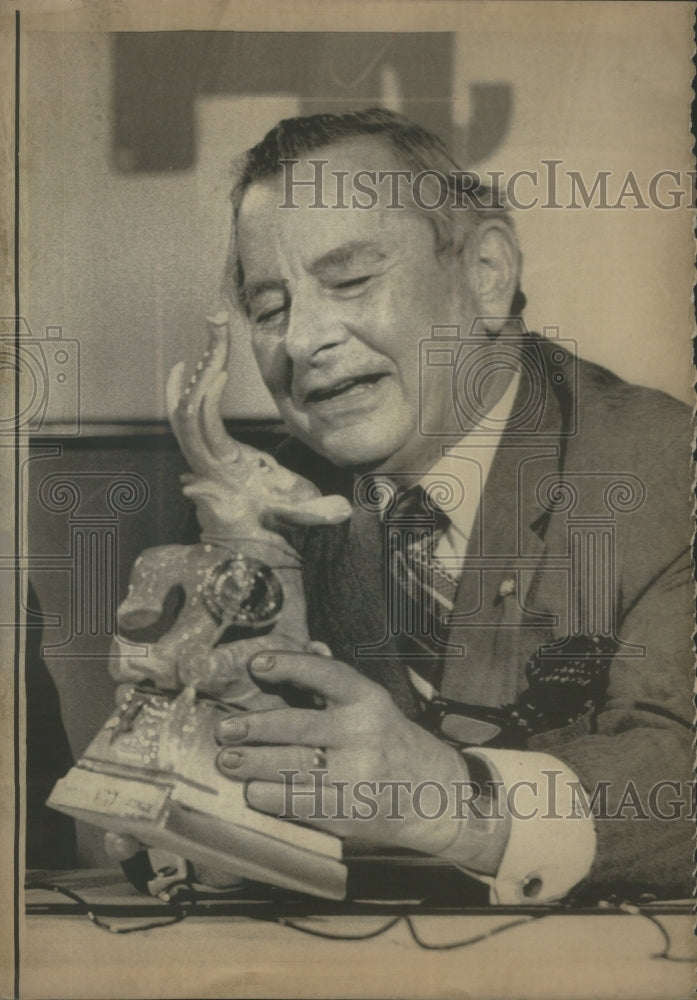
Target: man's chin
347, 451
406, 457
352, 445
357, 461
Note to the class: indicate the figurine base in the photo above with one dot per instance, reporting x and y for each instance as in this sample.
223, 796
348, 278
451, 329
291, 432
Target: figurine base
155, 780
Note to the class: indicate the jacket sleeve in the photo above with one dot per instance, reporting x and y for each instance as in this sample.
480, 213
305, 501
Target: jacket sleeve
605, 801
637, 756
636, 766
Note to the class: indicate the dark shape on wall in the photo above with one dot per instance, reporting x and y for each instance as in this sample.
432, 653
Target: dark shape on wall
158, 75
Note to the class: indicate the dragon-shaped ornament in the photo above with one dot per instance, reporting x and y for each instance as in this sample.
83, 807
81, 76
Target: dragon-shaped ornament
150, 772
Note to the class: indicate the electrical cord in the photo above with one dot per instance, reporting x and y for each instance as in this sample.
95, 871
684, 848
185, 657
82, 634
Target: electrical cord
91, 912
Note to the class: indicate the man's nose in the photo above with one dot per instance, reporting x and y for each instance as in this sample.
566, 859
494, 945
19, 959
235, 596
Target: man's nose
315, 325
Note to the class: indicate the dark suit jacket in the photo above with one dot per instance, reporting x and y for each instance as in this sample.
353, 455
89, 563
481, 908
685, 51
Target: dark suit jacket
585, 520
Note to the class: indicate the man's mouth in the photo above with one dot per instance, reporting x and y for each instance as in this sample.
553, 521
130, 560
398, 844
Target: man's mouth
342, 387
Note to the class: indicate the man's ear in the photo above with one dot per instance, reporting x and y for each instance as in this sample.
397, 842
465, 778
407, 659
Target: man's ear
496, 268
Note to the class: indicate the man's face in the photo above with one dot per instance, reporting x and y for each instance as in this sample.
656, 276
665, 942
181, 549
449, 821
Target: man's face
339, 300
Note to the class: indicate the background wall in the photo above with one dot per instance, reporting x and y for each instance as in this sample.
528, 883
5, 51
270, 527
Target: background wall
126, 255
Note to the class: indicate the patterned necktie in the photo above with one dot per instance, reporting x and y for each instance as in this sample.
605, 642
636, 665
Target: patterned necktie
423, 589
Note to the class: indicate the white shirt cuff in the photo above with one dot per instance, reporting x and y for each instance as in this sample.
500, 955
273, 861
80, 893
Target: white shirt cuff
550, 845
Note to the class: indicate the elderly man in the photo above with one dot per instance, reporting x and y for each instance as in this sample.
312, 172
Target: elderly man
508, 610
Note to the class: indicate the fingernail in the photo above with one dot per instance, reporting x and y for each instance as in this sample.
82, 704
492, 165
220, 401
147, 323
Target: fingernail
263, 662
230, 759
233, 728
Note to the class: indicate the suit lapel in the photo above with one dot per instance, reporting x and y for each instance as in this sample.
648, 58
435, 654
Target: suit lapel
507, 545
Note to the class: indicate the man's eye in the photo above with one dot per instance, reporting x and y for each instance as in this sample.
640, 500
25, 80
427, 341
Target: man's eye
268, 315
352, 282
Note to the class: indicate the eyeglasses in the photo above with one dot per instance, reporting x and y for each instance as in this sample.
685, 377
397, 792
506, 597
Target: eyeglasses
474, 725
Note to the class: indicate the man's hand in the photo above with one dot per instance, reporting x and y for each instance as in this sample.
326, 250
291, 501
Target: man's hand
358, 736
